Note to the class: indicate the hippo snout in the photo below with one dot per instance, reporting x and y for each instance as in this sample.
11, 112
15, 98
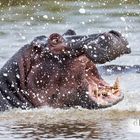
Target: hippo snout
122, 38
100, 48
125, 45
107, 47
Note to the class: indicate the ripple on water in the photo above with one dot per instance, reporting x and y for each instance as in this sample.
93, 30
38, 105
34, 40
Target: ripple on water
71, 123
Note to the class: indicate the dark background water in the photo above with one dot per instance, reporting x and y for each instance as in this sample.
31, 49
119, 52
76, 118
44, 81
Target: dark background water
22, 20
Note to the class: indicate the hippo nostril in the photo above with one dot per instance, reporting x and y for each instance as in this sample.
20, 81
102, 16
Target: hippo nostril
115, 33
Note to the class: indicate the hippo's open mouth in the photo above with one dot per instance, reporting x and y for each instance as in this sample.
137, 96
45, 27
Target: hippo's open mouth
101, 94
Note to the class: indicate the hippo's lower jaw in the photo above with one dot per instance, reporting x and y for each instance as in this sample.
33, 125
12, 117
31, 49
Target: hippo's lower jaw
104, 95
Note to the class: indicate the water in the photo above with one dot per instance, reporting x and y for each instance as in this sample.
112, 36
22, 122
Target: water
21, 21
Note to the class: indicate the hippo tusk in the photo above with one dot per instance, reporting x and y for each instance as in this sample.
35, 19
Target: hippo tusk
96, 91
116, 84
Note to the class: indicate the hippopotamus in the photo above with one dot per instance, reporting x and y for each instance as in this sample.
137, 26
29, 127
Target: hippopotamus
60, 71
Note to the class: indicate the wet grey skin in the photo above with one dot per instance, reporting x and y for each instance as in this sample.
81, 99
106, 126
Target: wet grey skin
100, 48
55, 57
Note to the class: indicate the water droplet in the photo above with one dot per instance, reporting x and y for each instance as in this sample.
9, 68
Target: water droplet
5, 74
45, 16
102, 37
82, 11
122, 18
18, 76
31, 18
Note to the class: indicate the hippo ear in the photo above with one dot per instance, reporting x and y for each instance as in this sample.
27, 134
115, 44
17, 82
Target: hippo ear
69, 32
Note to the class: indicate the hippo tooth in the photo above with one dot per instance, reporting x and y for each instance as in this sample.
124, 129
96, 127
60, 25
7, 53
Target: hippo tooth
107, 93
116, 84
96, 91
117, 90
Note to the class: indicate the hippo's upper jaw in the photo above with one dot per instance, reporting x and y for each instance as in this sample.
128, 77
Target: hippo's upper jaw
100, 48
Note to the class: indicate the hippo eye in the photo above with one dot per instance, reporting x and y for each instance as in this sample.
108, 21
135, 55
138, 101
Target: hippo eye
55, 39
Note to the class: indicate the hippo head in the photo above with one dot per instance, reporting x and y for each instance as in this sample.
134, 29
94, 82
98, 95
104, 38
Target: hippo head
68, 74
